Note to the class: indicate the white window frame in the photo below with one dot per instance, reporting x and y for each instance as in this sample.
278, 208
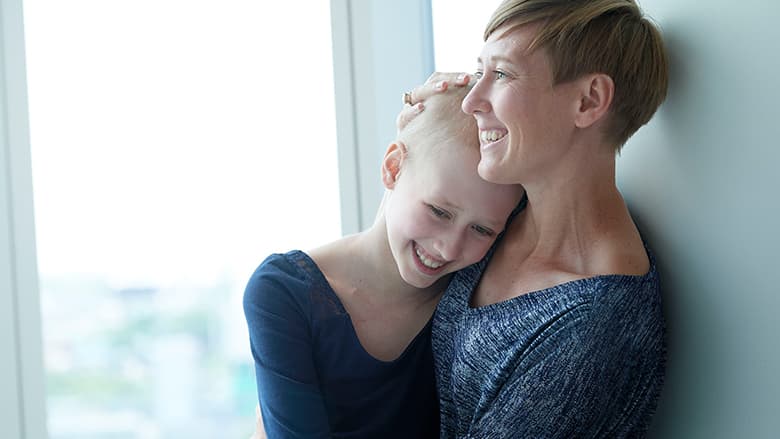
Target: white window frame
22, 398
380, 49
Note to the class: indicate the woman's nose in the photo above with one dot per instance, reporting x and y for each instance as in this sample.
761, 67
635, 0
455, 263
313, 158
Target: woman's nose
475, 101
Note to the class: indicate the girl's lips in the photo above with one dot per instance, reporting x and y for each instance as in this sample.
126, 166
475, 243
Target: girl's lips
422, 266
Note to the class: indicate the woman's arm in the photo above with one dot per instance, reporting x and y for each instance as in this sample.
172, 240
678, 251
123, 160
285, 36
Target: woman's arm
278, 319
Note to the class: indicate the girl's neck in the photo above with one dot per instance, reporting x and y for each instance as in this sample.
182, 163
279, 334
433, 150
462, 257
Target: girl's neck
363, 264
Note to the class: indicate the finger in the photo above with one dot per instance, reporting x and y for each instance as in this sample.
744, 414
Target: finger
259, 417
458, 78
438, 83
462, 79
408, 113
407, 98
425, 91
443, 76
259, 427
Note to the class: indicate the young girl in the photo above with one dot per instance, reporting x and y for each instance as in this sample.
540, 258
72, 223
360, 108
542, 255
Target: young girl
341, 335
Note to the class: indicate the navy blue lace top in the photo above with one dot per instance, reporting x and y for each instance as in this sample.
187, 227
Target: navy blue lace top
314, 379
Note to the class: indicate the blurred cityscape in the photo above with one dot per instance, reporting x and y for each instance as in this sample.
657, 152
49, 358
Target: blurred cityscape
144, 362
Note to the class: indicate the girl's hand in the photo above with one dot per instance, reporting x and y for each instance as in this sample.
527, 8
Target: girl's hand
438, 82
259, 428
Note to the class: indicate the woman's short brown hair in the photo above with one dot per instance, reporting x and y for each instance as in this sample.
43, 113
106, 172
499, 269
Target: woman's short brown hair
598, 36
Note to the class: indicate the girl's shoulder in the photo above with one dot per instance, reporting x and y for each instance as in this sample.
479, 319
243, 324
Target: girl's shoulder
291, 282
291, 268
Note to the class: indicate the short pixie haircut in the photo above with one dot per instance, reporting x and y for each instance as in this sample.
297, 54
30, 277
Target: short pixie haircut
598, 36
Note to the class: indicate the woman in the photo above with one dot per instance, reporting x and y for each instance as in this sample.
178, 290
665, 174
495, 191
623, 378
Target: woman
558, 332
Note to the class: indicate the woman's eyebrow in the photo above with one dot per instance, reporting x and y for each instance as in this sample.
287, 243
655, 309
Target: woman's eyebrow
497, 58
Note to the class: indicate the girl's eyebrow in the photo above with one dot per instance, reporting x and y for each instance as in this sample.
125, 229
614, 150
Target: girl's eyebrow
490, 223
445, 202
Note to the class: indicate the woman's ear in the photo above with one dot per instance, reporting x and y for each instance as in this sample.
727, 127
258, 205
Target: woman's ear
596, 93
391, 164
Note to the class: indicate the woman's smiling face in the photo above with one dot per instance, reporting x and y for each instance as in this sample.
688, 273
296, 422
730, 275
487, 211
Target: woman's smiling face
525, 122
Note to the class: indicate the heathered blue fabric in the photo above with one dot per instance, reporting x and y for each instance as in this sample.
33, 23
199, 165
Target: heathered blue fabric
584, 359
314, 378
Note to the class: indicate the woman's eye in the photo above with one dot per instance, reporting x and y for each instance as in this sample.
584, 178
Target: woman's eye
484, 231
438, 212
478, 74
499, 74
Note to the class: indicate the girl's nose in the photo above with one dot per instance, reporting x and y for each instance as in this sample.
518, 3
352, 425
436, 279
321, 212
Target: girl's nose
450, 247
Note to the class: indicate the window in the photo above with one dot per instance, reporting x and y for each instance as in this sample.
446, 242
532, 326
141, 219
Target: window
175, 144
458, 26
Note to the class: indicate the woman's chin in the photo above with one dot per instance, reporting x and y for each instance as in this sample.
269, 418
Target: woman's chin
487, 169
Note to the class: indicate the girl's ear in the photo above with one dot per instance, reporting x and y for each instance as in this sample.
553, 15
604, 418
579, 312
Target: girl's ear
597, 91
391, 164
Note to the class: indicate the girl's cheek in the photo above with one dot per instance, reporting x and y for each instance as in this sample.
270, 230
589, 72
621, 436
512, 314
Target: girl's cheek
479, 249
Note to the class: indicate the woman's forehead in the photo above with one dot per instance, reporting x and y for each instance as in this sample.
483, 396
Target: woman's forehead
511, 40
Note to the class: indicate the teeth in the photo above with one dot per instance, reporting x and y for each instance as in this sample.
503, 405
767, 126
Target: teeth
428, 262
491, 135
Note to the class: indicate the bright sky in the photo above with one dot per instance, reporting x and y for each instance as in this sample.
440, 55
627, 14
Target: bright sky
457, 32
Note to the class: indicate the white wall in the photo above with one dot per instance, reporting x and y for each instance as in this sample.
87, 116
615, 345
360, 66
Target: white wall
702, 183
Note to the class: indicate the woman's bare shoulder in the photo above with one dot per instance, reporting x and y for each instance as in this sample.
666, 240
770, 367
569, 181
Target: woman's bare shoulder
621, 252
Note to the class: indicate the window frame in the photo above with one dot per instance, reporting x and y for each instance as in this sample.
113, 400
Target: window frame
380, 50
23, 408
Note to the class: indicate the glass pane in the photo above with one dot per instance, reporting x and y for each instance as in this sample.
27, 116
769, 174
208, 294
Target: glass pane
175, 145
458, 26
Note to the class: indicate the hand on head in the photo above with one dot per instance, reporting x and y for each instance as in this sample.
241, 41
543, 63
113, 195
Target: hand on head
438, 82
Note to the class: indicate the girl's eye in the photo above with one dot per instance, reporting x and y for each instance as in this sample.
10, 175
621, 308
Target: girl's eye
484, 231
440, 213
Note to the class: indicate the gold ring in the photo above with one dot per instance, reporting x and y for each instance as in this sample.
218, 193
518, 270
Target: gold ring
408, 98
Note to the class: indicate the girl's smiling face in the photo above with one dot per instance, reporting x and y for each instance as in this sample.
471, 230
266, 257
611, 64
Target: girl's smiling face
440, 215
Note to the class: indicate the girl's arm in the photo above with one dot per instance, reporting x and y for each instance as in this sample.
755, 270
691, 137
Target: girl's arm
277, 315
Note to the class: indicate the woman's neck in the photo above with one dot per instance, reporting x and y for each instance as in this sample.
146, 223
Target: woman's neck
570, 209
